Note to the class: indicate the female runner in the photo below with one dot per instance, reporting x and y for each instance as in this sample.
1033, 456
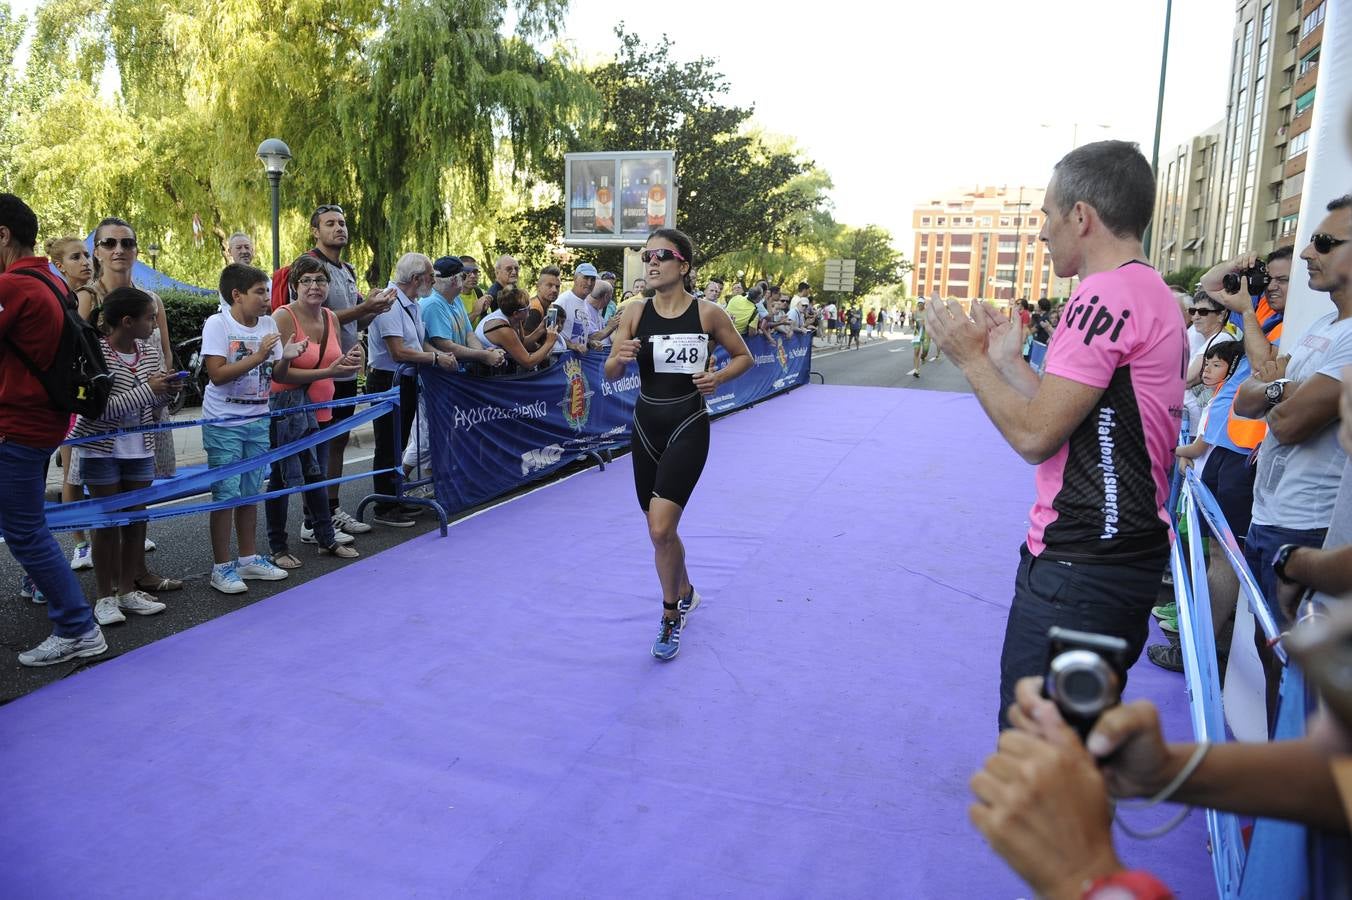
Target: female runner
668, 333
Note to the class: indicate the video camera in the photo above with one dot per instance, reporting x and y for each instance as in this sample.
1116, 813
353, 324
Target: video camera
1085, 675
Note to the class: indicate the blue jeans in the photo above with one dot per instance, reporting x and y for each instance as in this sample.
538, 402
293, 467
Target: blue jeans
23, 523
1261, 546
1112, 598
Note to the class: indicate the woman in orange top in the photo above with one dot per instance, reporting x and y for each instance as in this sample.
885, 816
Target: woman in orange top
306, 379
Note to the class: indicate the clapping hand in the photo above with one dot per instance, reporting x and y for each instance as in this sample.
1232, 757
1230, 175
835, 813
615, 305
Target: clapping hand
265, 346
379, 301
348, 364
294, 349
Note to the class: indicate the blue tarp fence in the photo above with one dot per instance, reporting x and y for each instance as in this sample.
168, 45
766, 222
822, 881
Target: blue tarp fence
490, 436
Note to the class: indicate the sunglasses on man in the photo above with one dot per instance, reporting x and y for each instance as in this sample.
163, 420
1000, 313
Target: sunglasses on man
1323, 243
110, 243
320, 210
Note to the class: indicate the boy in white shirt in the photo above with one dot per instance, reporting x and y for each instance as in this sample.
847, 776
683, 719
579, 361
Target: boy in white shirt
239, 349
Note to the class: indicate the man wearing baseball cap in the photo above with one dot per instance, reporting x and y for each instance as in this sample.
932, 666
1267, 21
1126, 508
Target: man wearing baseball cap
448, 327
573, 327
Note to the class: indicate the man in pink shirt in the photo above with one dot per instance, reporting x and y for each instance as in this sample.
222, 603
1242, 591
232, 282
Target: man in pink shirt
1100, 425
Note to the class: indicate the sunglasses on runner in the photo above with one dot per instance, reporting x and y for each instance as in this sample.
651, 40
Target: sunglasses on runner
661, 254
1323, 243
130, 243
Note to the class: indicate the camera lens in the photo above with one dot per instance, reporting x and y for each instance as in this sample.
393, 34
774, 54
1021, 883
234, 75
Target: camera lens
1082, 683
1082, 687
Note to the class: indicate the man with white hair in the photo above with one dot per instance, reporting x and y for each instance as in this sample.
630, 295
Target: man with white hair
395, 338
240, 248
505, 272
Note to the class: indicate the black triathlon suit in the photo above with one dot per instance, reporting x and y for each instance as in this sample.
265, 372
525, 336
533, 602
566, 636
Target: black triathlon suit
671, 422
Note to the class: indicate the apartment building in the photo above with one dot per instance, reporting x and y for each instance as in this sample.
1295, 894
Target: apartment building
1237, 185
981, 243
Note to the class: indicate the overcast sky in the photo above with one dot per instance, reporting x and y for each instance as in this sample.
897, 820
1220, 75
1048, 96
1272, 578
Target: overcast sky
900, 101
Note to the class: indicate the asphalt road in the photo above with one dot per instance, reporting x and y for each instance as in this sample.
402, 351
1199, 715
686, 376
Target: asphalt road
184, 552
884, 362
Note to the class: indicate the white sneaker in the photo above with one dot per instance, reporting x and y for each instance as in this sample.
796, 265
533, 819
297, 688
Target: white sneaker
261, 569
150, 545
106, 611
344, 522
225, 578
81, 558
58, 649
915, 372
307, 535
139, 602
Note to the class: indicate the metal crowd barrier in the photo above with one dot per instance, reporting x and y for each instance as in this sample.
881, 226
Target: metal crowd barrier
1274, 862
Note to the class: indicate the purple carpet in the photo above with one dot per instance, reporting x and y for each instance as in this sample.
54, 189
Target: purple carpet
480, 715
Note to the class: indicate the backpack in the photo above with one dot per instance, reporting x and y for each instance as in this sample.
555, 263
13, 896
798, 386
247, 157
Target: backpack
77, 381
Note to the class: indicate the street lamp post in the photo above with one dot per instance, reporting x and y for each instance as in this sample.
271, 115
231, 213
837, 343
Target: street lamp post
154, 251
274, 154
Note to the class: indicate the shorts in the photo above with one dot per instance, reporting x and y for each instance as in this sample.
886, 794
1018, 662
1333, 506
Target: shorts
231, 444
105, 470
342, 390
1229, 477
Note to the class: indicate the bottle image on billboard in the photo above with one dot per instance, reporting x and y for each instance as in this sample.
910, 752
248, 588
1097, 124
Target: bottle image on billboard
603, 205
657, 201
634, 203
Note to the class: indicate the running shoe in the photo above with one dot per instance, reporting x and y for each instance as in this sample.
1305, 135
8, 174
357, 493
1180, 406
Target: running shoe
150, 545
261, 569
668, 642
140, 603
1167, 611
687, 604
58, 649
106, 611
225, 578
1169, 626
393, 518
29, 591
307, 534
1166, 656
345, 522
81, 558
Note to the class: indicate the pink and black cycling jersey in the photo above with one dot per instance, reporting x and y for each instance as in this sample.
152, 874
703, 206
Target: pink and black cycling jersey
1103, 494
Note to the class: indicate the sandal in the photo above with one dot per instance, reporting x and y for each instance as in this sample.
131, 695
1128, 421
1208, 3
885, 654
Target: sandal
287, 561
157, 584
341, 551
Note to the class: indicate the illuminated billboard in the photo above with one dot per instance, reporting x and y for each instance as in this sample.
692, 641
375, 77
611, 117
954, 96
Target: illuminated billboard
618, 199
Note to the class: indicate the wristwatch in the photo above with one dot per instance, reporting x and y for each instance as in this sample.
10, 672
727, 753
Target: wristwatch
1279, 560
1274, 391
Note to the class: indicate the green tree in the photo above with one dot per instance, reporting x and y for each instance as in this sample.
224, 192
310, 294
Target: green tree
1186, 278
393, 109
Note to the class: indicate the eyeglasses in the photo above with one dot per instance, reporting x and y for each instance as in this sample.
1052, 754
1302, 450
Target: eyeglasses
661, 254
469, 270
130, 243
320, 210
309, 281
1323, 243
1203, 311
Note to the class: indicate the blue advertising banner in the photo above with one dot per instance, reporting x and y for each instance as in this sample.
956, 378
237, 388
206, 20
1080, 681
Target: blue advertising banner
489, 436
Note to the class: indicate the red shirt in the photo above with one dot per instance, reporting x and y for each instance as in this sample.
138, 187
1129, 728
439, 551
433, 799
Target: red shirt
31, 319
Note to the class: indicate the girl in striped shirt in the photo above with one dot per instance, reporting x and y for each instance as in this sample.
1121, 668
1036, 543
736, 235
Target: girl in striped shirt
124, 462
